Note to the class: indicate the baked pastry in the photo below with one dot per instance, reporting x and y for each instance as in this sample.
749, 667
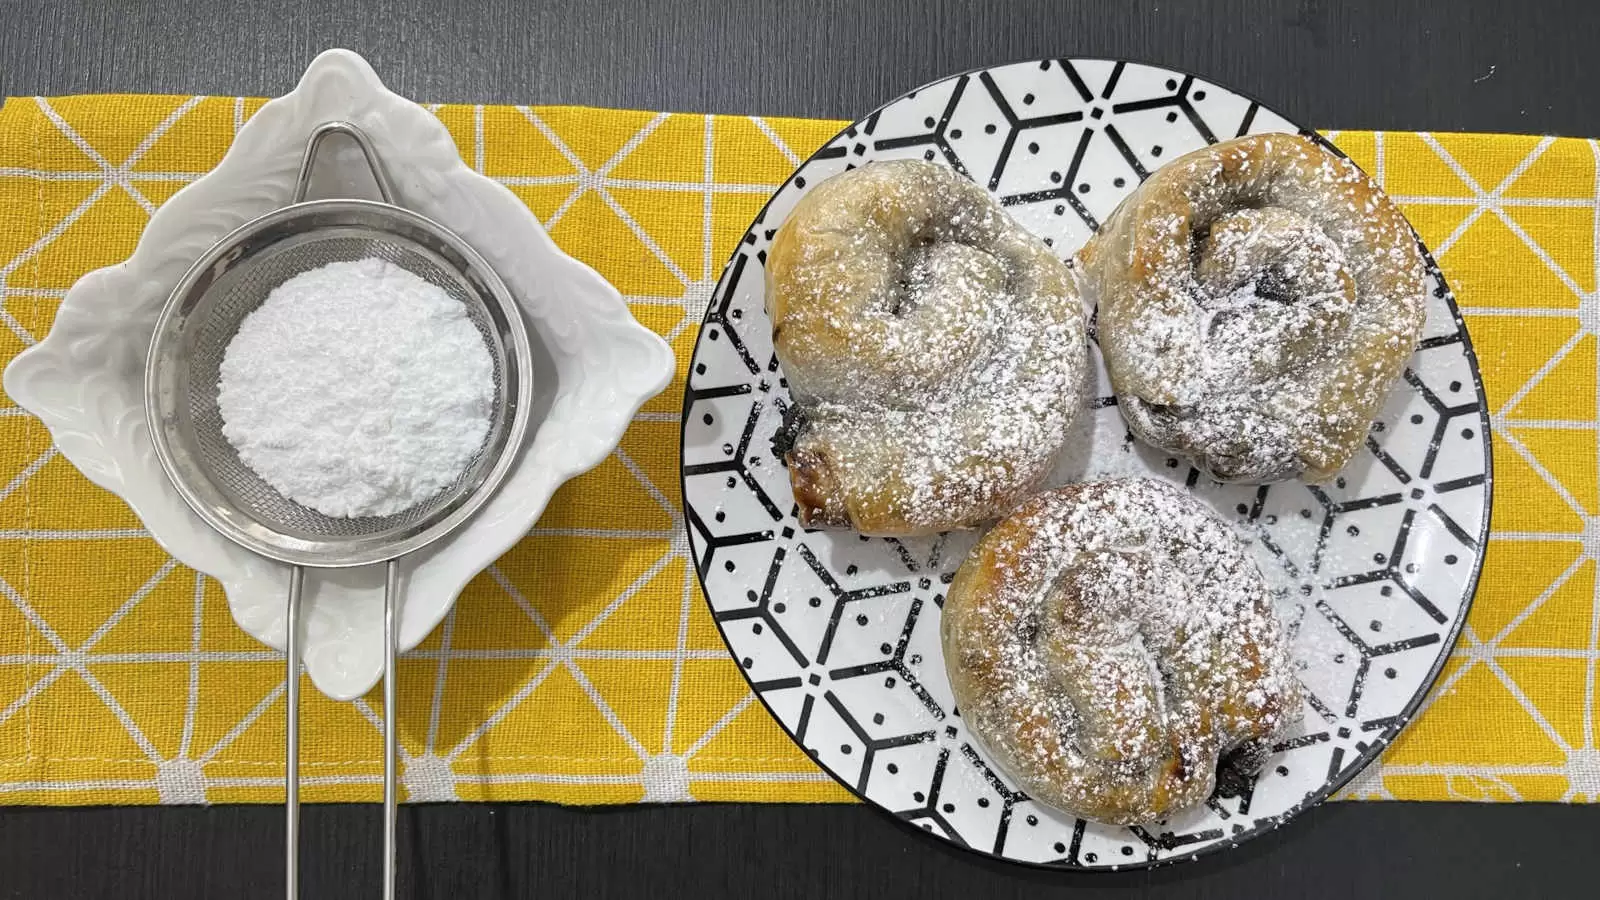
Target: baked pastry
1109, 643
935, 351
1257, 300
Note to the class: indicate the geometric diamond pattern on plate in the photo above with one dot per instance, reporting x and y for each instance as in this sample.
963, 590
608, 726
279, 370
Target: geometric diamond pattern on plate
838, 634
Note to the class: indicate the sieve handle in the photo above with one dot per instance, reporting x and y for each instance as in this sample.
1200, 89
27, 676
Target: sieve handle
291, 750
291, 780
303, 183
391, 794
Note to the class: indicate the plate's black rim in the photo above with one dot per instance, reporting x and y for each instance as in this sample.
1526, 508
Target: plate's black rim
1378, 745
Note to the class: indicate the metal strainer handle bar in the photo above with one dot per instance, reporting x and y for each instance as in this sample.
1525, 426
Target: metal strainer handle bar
291, 750
291, 785
302, 184
292, 731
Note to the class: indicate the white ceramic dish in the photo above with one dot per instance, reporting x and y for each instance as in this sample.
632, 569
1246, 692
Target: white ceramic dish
839, 634
594, 365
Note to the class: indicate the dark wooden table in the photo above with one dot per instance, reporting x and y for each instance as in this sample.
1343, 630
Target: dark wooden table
1529, 66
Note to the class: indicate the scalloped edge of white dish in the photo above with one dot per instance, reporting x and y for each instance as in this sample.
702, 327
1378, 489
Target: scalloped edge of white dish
85, 379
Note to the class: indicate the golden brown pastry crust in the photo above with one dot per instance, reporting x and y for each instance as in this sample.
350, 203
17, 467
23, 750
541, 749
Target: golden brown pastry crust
1256, 301
1108, 643
935, 349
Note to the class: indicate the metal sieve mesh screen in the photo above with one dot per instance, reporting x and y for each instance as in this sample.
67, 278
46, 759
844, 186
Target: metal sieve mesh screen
245, 286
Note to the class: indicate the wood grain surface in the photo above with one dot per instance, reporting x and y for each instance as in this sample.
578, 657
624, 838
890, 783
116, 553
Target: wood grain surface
1486, 65
1481, 65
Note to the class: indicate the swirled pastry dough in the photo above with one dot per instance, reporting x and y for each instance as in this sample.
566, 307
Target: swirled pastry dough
935, 349
1256, 301
1109, 643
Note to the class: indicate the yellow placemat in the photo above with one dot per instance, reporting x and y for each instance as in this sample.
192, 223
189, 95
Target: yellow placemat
585, 669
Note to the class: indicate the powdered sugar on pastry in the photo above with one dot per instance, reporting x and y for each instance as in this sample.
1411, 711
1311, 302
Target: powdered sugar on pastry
1110, 644
935, 348
1257, 300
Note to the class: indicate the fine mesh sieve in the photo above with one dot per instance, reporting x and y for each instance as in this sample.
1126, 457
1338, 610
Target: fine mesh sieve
233, 281
192, 335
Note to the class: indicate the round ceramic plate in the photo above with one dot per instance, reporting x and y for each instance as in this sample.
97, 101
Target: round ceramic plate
839, 634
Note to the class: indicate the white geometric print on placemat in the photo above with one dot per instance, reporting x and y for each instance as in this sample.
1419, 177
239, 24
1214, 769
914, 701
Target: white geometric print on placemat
838, 634
433, 775
1581, 767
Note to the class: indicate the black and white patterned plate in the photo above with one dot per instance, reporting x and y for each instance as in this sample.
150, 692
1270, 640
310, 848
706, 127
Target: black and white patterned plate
839, 634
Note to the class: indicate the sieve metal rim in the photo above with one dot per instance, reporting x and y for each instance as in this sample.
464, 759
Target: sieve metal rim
211, 503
